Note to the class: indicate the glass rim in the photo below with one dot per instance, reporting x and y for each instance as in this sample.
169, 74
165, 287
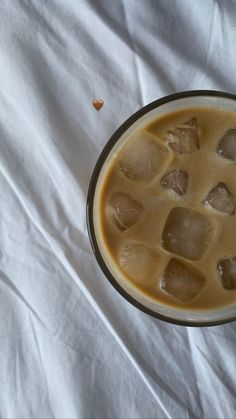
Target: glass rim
91, 194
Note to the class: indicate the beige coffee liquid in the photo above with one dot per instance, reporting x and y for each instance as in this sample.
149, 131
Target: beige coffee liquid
167, 209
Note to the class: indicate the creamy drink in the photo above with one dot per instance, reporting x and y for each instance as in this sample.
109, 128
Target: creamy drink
165, 209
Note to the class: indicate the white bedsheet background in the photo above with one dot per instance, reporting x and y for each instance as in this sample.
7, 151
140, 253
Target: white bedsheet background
71, 347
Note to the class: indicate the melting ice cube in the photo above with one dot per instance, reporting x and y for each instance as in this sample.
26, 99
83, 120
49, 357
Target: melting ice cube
227, 270
124, 210
184, 138
187, 233
220, 199
137, 260
227, 145
177, 180
181, 280
143, 158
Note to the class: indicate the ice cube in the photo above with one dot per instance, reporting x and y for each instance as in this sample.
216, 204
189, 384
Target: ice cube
143, 158
124, 210
187, 233
227, 145
221, 199
184, 138
227, 270
182, 281
137, 260
176, 180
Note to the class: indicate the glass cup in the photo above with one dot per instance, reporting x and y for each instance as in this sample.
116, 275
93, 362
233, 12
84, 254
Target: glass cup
183, 100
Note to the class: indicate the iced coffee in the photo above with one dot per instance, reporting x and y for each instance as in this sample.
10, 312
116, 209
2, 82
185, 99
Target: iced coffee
167, 209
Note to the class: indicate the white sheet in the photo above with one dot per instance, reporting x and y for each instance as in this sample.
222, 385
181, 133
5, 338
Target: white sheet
71, 347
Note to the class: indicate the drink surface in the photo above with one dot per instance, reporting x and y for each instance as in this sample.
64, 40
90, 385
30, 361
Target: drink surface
167, 209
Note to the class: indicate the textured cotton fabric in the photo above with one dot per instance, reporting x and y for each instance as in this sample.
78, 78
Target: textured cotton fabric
71, 346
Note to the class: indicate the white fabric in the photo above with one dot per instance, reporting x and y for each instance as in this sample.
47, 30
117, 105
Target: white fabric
71, 346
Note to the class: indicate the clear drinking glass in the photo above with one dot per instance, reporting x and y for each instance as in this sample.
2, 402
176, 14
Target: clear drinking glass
183, 100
